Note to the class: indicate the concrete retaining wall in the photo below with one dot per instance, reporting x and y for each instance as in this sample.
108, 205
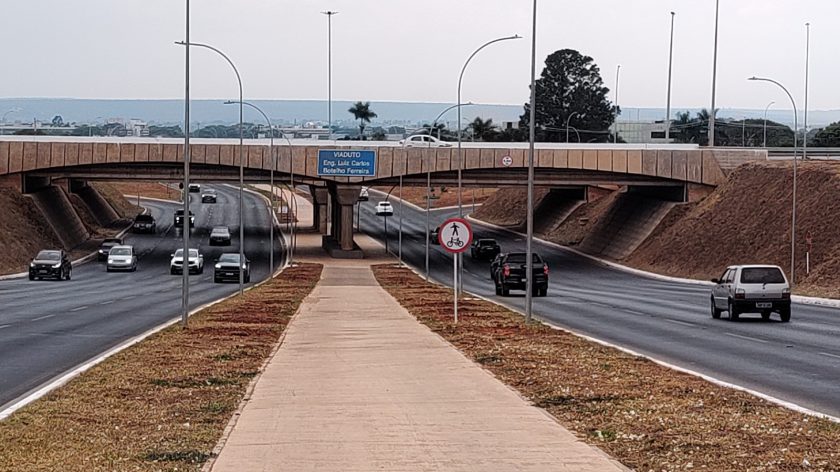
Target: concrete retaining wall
96, 204
62, 218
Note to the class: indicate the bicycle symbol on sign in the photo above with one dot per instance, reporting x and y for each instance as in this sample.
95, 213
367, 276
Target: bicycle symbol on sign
455, 239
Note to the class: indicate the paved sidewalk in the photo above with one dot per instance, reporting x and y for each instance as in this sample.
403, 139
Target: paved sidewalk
360, 385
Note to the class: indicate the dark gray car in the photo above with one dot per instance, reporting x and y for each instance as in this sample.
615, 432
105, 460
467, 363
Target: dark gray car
227, 268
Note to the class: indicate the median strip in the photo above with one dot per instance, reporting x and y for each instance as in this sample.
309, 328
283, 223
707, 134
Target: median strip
161, 404
645, 415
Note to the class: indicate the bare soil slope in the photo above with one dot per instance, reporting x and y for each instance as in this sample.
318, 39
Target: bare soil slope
507, 207
747, 220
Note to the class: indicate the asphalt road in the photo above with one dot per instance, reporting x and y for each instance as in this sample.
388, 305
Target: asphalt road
797, 362
49, 327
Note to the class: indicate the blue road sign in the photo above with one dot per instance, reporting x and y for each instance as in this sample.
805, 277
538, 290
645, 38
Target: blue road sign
346, 163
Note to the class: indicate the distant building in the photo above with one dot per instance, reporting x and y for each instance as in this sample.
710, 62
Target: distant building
643, 132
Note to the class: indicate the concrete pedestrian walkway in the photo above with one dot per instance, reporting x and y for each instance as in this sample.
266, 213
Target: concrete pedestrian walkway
359, 385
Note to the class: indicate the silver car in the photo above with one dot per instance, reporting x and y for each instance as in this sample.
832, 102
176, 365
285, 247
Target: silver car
762, 289
121, 258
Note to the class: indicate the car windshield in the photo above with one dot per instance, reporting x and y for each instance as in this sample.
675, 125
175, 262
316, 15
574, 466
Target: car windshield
121, 251
48, 256
762, 275
220, 231
487, 242
519, 258
209, 191
229, 258
386, 204
109, 243
179, 212
180, 253
144, 218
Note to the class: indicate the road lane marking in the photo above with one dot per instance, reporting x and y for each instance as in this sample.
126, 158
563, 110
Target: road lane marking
684, 323
79, 308
132, 297
4, 326
823, 353
41, 318
749, 338
107, 302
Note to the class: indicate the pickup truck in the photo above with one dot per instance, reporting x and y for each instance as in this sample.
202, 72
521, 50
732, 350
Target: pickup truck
485, 249
509, 273
179, 217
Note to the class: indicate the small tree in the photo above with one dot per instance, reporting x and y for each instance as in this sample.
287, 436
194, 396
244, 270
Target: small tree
482, 129
58, 121
362, 112
828, 136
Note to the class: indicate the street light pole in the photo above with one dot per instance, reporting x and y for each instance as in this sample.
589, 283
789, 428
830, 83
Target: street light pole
10, 110
329, 14
567, 124
271, 178
793, 211
529, 262
241, 158
765, 122
807, 71
714, 79
670, 70
185, 261
617, 111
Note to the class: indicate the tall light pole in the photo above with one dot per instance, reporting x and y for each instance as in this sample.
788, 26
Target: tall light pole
429, 180
241, 158
271, 178
10, 110
329, 14
714, 79
793, 211
617, 111
458, 106
529, 262
670, 71
807, 71
567, 124
765, 122
185, 261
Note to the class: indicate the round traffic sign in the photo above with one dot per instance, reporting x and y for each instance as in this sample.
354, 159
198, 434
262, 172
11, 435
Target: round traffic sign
507, 161
455, 235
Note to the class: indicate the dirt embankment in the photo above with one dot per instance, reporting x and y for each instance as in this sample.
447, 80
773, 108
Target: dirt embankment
746, 220
24, 231
145, 189
507, 207
441, 196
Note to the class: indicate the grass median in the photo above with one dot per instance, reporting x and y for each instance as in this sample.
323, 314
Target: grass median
647, 416
161, 404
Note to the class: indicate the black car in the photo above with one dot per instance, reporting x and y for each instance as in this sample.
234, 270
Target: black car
53, 264
105, 248
433, 235
485, 249
220, 236
179, 218
208, 196
227, 268
510, 273
195, 188
144, 223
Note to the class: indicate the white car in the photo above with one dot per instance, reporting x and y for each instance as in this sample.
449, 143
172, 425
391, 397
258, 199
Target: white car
364, 194
196, 262
384, 209
422, 140
760, 289
121, 258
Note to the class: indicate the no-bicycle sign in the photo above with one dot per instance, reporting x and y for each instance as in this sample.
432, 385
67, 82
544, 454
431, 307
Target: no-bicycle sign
455, 235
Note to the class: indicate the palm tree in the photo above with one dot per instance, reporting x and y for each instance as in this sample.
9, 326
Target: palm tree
362, 112
480, 128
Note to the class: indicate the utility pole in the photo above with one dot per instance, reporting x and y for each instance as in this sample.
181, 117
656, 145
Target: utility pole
329, 14
185, 231
670, 69
714, 79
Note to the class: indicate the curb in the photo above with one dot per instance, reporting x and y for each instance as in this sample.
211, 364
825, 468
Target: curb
802, 299
419, 208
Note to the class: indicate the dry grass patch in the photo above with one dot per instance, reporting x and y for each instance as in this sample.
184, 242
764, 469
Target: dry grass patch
146, 189
161, 404
647, 416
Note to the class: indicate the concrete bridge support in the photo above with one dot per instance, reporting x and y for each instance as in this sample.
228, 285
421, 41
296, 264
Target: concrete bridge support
320, 202
339, 243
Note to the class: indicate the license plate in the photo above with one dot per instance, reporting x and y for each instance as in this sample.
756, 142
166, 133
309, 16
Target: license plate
524, 280
42, 271
763, 305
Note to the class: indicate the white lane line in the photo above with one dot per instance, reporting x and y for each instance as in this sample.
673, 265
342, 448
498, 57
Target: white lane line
684, 323
107, 302
822, 353
749, 338
4, 326
41, 318
132, 297
79, 308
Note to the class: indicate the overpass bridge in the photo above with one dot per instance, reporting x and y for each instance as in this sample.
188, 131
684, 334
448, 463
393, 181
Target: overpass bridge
681, 172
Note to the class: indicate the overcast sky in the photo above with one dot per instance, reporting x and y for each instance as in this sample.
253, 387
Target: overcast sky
401, 50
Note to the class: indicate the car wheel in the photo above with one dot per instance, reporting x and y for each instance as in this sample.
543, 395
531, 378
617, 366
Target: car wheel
216, 280
765, 315
248, 278
31, 277
715, 311
543, 292
107, 269
171, 271
201, 270
498, 290
505, 291
733, 312
785, 314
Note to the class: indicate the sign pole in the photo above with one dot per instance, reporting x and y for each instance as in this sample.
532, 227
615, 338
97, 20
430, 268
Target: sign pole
455, 237
455, 284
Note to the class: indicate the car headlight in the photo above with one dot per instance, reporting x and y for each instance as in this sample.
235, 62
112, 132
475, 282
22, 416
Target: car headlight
57, 266
243, 267
31, 264
218, 266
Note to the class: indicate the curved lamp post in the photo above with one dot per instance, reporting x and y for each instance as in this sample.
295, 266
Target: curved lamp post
793, 211
765, 122
241, 156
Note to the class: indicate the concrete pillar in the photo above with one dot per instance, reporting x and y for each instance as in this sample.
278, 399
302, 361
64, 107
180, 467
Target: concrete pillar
320, 199
31, 184
339, 243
